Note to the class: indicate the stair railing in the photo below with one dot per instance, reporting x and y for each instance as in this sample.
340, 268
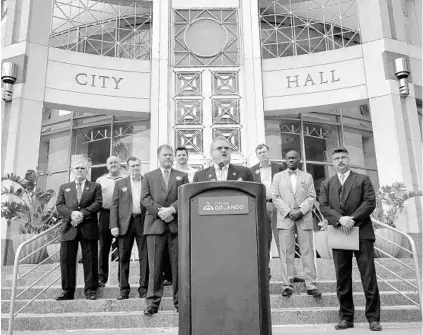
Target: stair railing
18, 261
412, 252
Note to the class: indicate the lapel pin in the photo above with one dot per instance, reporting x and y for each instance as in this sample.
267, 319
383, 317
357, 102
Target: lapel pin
178, 178
234, 174
257, 171
67, 190
124, 189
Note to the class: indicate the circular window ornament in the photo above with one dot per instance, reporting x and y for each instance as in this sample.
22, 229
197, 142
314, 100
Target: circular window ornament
206, 37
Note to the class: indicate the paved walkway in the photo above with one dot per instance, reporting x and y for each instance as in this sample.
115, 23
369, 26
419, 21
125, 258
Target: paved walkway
326, 329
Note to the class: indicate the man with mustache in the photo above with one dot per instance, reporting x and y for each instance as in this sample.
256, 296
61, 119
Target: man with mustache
347, 200
222, 169
160, 198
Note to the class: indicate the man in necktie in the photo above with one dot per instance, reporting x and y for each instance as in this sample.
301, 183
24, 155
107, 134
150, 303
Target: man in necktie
160, 198
127, 224
222, 169
347, 200
78, 203
293, 195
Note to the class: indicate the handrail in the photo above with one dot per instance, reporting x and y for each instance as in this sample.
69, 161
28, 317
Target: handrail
414, 254
15, 274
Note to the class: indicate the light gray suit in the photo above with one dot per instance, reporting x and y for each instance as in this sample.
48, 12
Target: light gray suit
285, 199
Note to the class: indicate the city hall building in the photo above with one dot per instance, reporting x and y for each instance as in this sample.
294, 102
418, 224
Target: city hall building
94, 78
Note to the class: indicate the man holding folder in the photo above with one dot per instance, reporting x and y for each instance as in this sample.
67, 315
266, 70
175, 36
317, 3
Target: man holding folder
347, 200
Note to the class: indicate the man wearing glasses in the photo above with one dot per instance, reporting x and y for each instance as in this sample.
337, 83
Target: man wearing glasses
222, 168
78, 203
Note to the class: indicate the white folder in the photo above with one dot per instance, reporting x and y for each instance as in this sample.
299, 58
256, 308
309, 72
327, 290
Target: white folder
338, 240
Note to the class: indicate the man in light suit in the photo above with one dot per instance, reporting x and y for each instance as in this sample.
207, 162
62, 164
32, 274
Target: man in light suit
127, 223
347, 200
222, 168
78, 203
160, 198
293, 196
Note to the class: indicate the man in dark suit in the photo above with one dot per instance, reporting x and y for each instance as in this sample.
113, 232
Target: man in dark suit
263, 172
222, 168
127, 223
160, 198
347, 200
78, 203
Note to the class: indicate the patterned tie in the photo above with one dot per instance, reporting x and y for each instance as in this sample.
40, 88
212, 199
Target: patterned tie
166, 178
341, 178
221, 165
79, 191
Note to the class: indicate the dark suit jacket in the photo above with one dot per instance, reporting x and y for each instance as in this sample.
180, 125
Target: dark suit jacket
234, 173
154, 195
90, 204
276, 167
121, 210
359, 201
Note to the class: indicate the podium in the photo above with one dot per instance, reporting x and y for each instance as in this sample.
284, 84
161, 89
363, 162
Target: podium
223, 259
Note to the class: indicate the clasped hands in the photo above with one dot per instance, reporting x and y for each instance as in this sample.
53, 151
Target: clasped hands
346, 223
76, 218
295, 214
166, 214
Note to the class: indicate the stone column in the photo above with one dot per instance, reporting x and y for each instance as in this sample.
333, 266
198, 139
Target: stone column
159, 79
252, 79
26, 44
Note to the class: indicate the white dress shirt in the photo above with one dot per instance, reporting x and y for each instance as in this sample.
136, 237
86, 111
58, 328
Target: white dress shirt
266, 179
136, 195
346, 174
221, 174
293, 177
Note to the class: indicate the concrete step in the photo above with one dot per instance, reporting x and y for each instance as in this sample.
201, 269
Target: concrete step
112, 291
302, 300
326, 271
117, 320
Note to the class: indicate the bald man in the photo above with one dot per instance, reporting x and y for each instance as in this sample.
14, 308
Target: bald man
107, 183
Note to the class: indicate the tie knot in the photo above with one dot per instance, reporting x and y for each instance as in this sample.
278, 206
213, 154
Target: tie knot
166, 171
221, 165
290, 172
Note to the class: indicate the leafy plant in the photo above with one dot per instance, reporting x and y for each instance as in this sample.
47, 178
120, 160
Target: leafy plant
390, 202
32, 207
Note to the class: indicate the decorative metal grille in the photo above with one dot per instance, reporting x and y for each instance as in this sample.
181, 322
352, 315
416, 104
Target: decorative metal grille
96, 135
233, 135
206, 37
226, 111
308, 130
297, 27
190, 138
189, 112
103, 27
225, 83
188, 83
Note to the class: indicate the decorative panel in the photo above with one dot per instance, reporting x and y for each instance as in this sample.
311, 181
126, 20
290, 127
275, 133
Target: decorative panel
233, 135
189, 112
207, 37
225, 83
225, 111
190, 138
188, 83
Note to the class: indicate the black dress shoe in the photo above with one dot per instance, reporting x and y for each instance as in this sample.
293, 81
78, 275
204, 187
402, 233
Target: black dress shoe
287, 292
91, 296
344, 324
298, 280
64, 296
150, 311
142, 295
167, 282
375, 326
314, 293
123, 297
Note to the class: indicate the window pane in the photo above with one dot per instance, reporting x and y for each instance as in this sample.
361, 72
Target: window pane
319, 141
273, 139
360, 145
131, 139
54, 152
55, 180
92, 143
290, 134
